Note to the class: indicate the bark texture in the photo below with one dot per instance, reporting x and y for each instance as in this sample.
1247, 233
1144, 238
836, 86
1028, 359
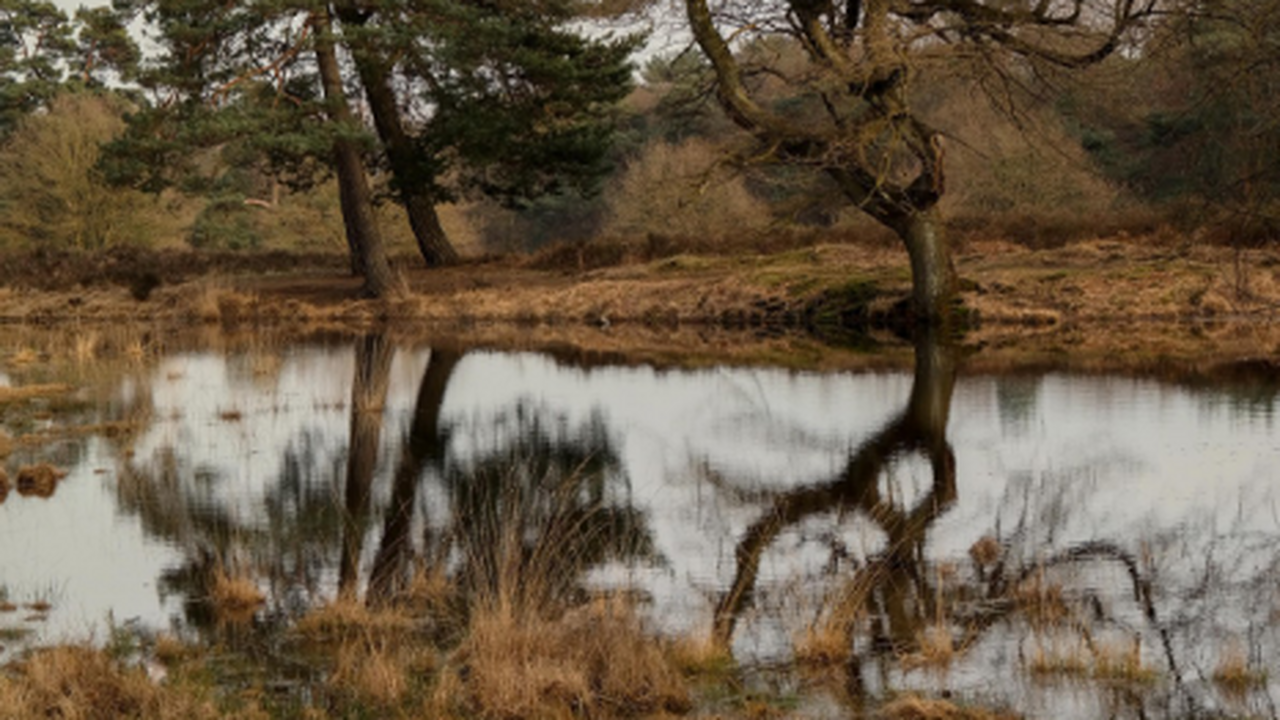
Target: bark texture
414, 190
364, 238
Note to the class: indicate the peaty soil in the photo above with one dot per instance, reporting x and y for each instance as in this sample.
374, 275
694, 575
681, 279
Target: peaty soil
1102, 298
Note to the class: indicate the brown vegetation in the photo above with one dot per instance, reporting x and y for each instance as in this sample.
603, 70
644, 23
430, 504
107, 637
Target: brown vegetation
29, 392
80, 683
1007, 285
39, 480
595, 660
235, 596
915, 707
1234, 675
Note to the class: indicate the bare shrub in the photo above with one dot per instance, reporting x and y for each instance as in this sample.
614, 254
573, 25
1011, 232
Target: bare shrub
684, 191
1023, 178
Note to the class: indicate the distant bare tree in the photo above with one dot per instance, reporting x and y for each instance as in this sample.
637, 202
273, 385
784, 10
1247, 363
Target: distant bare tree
844, 111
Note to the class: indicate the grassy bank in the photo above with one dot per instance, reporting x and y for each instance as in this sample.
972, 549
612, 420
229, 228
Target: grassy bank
1123, 278
1124, 301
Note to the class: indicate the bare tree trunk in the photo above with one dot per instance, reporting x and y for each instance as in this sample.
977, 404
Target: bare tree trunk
368, 398
368, 255
414, 190
933, 275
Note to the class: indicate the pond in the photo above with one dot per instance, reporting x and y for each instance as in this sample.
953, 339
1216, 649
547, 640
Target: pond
1062, 544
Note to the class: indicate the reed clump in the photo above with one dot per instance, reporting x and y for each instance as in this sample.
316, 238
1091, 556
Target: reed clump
1055, 660
935, 648
1122, 662
592, 661
380, 660
1234, 675
235, 596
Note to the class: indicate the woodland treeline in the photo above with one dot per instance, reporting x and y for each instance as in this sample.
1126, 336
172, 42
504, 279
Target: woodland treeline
464, 127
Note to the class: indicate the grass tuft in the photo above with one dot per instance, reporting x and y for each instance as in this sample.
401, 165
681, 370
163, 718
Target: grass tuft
39, 480
592, 661
936, 648
85, 684
1054, 661
1122, 662
235, 597
915, 707
1233, 674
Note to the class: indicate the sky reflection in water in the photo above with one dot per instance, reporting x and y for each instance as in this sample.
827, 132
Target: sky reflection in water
252, 449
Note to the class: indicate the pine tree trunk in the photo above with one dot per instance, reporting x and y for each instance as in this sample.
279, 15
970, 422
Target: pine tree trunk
415, 191
368, 255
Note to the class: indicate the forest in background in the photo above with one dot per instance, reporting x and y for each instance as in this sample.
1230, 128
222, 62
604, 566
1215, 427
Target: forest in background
1178, 141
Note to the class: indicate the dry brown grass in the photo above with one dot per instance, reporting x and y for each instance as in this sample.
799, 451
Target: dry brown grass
378, 673
935, 648
347, 619
378, 657
592, 661
1121, 661
170, 650
1042, 601
86, 347
24, 356
29, 392
1234, 675
234, 595
699, 655
1053, 658
79, 683
824, 644
39, 480
915, 707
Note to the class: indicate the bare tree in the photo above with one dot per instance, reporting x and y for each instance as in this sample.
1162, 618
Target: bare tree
843, 109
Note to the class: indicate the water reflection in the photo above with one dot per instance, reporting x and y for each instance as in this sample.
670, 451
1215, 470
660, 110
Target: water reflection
421, 452
900, 588
757, 505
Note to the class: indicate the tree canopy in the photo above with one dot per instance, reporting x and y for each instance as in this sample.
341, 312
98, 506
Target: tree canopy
448, 96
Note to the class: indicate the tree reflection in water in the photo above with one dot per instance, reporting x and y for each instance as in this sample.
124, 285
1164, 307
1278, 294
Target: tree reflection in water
543, 501
893, 586
531, 517
525, 519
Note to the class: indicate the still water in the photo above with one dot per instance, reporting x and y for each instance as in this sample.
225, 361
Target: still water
749, 504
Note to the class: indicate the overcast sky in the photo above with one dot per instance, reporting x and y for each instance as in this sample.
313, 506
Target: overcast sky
72, 5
